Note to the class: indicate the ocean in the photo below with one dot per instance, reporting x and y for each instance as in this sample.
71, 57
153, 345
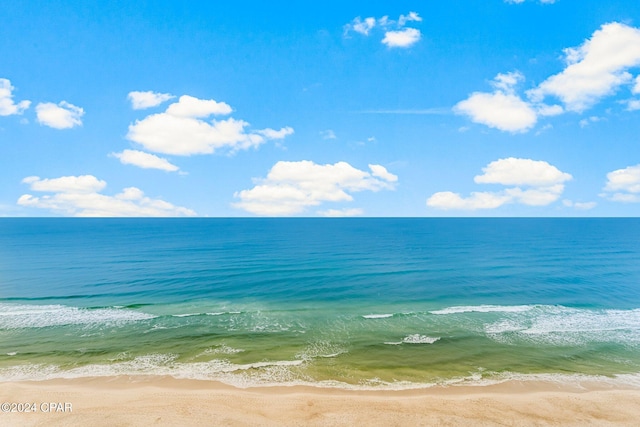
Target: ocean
366, 303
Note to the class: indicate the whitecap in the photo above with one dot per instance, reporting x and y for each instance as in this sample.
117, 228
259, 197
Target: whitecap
377, 316
483, 309
419, 339
15, 316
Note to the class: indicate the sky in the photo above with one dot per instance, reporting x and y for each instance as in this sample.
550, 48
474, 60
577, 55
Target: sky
362, 108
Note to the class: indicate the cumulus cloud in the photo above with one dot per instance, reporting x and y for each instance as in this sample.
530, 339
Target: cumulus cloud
595, 69
623, 185
292, 187
396, 34
501, 109
59, 116
144, 160
531, 182
148, 99
80, 196
513, 171
7, 106
401, 38
182, 130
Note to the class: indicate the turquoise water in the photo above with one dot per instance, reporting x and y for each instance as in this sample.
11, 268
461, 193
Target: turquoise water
356, 303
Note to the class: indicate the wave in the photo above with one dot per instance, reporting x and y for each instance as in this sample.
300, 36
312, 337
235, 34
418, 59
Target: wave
288, 373
557, 325
484, 309
415, 339
377, 316
17, 316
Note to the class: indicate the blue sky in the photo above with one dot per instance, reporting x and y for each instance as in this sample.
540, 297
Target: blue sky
423, 108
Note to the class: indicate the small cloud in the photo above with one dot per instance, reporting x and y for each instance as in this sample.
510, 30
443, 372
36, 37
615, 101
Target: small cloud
292, 187
584, 206
586, 122
66, 184
148, 99
544, 129
7, 106
144, 160
61, 116
402, 38
80, 196
276, 134
412, 16
633, 104
361, 26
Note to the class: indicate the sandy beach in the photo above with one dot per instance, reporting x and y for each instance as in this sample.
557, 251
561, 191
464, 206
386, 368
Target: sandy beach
143, 401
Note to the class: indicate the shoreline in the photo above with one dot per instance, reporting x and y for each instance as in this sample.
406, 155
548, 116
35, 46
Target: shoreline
162, 400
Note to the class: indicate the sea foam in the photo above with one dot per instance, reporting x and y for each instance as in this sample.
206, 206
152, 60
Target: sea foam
16, 316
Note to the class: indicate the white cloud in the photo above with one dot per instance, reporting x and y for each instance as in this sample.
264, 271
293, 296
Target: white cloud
586, 122
501, 109
61, 116
382, 173
477, 200
633, 104
584, 206
291, 187
66, 184
402, 38
543, 184
513, 171
7, 106
148, 99
189, 106
180, 130
340, 213
79, 196
627, 179
595, 69
276, 134
412, 16
549, 110
144, 160
361, 26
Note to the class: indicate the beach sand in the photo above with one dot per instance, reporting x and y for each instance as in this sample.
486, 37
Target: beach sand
160, 401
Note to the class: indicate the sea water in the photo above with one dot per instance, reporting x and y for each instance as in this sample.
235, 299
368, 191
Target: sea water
352, 303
